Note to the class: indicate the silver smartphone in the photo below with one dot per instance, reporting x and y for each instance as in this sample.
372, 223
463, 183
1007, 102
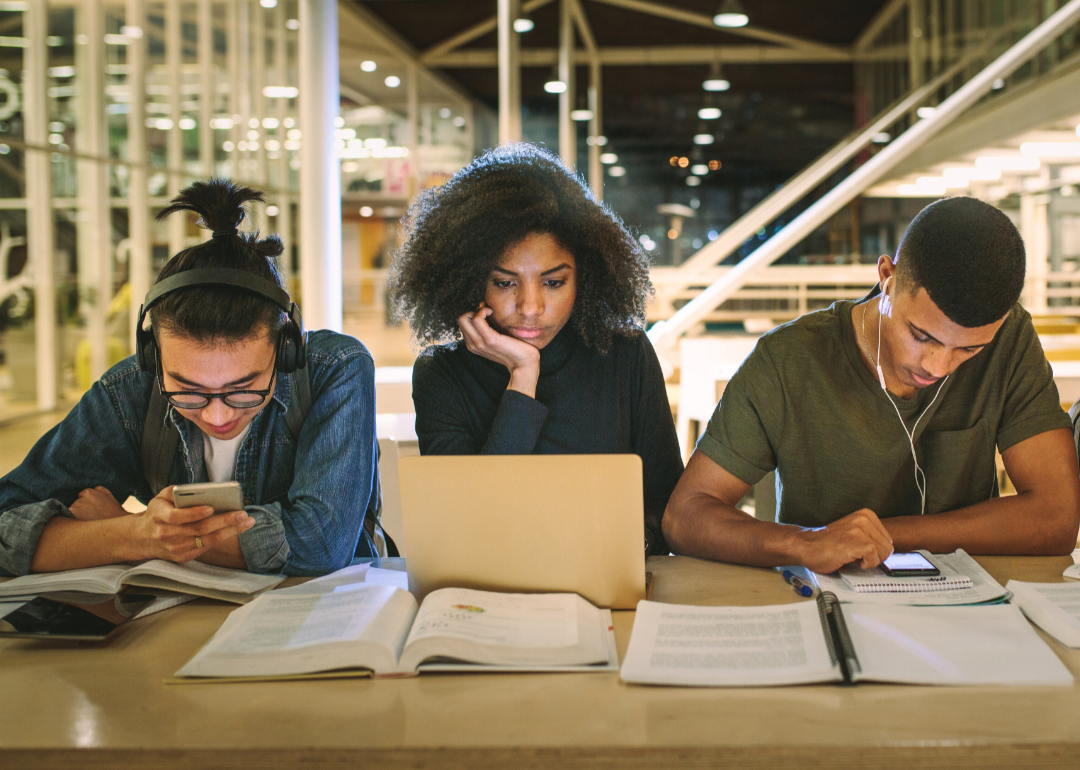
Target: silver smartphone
222, 496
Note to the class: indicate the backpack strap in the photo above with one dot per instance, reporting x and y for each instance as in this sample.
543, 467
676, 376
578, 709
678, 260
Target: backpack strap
160, 440
301, 406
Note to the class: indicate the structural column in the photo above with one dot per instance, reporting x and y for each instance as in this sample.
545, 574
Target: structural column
567, 74
139, 267
174, 139
320, 176
284, 199
94, 238
39, 219
207, 90
596, 129
509, 72
412, 99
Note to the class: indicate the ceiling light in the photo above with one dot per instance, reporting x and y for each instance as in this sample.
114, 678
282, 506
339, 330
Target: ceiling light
700, 169
445, 112
970, 173
617, 171
366, 211
392, 81
731, 14
368, 66
555, 86
1007, 163
580, 115
187, 124
926, 112
1051, 149
714, 165
709, 113
523, 23
684, 162
921, 191
268, 3
704, 139
609, 158
674, 160
599, 141
459, 121
882, 137
693, 181
281, 92
716, 84
272, 210
998, 84
293, 24
937, 181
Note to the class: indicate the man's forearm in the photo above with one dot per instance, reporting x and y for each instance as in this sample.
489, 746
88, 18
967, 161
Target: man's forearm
72, 544
707, 528
1023, 524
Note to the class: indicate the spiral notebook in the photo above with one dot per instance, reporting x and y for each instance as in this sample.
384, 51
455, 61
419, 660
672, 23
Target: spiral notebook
875, 581
823, 641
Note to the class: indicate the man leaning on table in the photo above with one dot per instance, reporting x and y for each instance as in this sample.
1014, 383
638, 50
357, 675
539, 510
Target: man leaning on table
940, 363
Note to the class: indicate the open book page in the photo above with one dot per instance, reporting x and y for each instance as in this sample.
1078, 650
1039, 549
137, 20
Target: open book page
356, 576
983, 587
611, 664
508, 629
1054, 607
992, 645
95, 580
195, 577
728, 646
286, 634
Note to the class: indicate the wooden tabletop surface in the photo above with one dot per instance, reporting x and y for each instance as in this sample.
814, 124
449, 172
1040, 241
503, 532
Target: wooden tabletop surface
106, 705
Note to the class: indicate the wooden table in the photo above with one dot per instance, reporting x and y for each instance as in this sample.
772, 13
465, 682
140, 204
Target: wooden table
106, 706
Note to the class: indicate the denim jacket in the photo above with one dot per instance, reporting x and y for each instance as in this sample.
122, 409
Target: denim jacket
308, 498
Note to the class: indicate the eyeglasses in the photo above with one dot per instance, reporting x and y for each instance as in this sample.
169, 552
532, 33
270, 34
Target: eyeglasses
237, 399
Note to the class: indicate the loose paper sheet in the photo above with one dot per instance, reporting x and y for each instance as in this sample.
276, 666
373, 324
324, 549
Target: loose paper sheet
733, 646
1054, 607
511, 620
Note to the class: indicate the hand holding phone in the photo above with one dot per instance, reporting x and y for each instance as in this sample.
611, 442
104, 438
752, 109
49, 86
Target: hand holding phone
222, 496
908, 565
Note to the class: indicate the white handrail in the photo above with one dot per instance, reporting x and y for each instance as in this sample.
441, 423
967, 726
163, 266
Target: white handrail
665, 333
780, 200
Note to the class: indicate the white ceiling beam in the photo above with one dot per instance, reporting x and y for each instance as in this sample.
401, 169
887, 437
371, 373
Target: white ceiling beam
479, 58
477, 30
701, 20
877, 24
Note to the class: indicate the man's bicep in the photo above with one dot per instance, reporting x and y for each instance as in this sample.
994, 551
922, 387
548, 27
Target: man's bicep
1046, 460
704, 476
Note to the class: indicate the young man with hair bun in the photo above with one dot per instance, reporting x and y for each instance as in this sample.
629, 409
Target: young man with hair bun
253, 398
881, 418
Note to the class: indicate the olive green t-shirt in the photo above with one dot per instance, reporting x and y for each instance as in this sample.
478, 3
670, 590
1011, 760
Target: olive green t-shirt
803, 403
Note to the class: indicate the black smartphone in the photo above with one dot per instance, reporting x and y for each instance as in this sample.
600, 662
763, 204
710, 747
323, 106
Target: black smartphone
908, 565
92, 618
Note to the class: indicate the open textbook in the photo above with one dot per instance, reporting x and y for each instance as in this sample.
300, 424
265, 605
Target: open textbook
983, 590
1053, 607
194, 577
361, 628
824, 641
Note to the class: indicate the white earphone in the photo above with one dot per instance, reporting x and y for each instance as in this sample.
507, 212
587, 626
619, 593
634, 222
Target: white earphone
920, 476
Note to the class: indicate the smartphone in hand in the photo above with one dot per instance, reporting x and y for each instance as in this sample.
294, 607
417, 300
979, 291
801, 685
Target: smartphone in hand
222, 496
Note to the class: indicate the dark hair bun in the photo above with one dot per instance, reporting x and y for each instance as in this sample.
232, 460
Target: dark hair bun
219, 312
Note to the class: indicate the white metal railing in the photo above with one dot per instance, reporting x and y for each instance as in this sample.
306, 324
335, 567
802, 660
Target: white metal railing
665, 333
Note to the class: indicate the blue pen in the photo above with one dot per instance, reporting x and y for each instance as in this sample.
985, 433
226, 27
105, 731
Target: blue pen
800, 587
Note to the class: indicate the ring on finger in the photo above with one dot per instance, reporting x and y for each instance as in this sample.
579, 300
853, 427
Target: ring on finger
198, 542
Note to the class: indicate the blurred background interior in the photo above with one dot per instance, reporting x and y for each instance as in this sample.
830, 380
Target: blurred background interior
794, 139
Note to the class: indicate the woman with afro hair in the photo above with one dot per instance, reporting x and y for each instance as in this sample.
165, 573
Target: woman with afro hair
547, 289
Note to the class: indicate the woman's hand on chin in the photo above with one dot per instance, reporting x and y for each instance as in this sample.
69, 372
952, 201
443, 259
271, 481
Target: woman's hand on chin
520, 358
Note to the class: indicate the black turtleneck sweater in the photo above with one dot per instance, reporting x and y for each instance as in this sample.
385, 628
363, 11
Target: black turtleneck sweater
586, 403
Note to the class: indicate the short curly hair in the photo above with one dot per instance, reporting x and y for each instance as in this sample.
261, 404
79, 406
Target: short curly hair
454, 235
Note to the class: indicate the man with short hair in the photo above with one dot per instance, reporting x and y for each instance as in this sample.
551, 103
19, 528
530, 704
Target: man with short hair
881, 418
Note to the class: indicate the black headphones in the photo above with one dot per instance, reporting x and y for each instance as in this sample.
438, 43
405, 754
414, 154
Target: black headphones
292, 342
